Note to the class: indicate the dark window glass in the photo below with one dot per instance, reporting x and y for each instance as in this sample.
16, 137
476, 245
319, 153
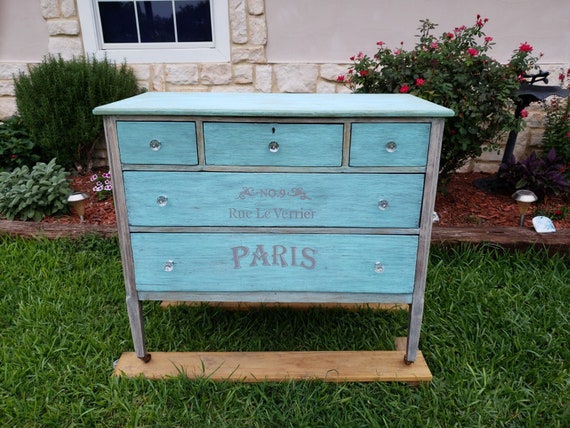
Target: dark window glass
156, 21
194, 21
118, 22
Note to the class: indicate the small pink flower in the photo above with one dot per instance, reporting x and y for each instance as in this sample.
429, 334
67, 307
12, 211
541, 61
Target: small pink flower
525, 47
340, 78
524, 113
420, 81
472, 51
450, 35
380, 43
404, 89
363, 73
397, 52
434, 45
488, 39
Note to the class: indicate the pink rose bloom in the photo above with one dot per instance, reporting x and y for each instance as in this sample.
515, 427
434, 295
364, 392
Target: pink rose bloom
524, 113
472, 51
420, 81
404, 89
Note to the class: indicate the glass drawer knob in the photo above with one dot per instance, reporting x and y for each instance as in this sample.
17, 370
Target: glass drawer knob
378, 267
162, 201
382, 204
169, 266
155, 145
391, 146
274, 147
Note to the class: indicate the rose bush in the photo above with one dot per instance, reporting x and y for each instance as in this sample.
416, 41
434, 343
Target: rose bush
456, 71
557, 122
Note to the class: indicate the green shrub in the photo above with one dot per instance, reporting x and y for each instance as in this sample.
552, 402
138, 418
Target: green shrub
16, 147
56, 99
456, 71
557, 123
34, 193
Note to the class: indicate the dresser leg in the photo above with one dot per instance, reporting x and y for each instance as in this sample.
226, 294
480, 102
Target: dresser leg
414, 328
134, 309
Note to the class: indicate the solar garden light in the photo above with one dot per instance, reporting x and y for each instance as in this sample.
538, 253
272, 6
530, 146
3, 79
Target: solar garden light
524, 198
77, 202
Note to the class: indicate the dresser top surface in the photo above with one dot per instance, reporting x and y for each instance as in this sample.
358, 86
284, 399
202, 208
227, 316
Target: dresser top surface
277, 105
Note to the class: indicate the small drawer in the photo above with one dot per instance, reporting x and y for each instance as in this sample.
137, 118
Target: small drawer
251, 262
273, 199
163, 143
273, 144
389, 144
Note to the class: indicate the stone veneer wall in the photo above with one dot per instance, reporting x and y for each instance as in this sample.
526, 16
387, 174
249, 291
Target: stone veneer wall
248, 70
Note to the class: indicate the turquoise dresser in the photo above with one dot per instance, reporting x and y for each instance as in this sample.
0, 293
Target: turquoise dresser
274, 198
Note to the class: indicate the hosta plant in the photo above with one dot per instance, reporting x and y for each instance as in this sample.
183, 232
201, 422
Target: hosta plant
455, 70
32, 194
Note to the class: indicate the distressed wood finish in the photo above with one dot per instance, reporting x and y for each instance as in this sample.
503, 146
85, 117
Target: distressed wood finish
265, 199
274, 198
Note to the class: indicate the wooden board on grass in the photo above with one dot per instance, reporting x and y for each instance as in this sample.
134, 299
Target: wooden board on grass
330, 366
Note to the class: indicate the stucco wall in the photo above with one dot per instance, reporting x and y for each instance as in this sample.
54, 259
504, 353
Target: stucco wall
299, 46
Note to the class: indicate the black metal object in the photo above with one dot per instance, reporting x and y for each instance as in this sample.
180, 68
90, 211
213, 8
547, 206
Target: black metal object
528, 93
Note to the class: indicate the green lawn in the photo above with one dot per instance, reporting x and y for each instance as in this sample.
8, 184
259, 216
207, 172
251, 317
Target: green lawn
496, 336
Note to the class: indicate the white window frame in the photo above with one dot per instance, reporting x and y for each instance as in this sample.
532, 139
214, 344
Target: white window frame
219, 51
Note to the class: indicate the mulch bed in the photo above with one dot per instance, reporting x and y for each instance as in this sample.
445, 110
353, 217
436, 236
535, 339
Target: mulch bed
466, 214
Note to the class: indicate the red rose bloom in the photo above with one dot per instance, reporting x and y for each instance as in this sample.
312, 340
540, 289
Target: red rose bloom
525, 47
524, 113
472, 51
420, 81
404, 89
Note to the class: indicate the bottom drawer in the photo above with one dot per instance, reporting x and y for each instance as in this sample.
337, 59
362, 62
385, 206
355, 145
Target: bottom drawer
252, 262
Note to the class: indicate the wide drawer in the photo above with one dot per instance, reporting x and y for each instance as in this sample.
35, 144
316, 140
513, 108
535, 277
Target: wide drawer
273, 199
274, 262
165, 143
389, 144
275, 144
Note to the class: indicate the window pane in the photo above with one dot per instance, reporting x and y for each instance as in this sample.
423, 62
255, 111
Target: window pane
156, 21
194, 21
118, 22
